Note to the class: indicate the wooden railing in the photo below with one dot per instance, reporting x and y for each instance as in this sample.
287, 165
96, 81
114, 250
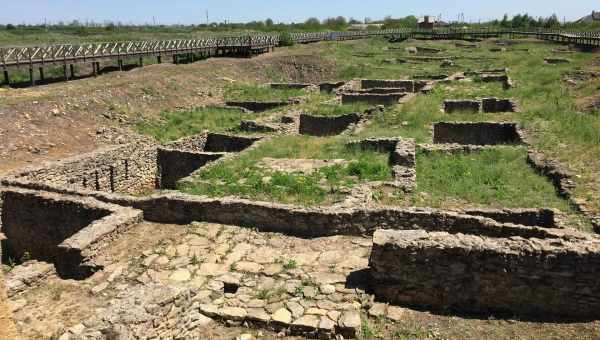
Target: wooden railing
38, 56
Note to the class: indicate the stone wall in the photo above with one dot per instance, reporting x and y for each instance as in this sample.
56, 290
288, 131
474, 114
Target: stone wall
330, 87
195, 143
498, 105
378, 90
126, 168
484, 133
287, 86
371, 98
486, 105
469, 273
471, 106
402, 158
409, 85
326, 126
255, 106
174, 165
216, 142
63, 230
254, 126
181, 208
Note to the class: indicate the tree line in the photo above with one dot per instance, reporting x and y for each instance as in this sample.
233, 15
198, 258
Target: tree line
338, 23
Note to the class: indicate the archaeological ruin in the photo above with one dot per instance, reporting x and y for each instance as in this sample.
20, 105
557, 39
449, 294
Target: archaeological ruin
315, 215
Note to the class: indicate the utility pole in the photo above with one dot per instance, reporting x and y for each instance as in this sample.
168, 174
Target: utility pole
207, 22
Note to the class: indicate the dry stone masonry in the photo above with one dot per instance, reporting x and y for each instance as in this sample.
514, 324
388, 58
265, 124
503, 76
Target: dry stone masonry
295, 270
486, 133
65, 231
470, 273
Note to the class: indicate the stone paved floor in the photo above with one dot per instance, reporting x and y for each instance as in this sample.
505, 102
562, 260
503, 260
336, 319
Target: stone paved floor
295, 284
192, 275
208, 281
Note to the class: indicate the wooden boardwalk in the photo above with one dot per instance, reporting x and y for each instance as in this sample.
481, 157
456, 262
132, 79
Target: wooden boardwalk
66, 55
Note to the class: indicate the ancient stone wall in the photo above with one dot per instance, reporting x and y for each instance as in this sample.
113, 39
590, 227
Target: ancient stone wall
255, 106
377, 90
388, 99
195, 143
330, 87
63, 230
498, 105
484, 133
409, 85
254, 126
471, 106
287, 86
470, 273
126, 168
174, 165
216, 142
326, 126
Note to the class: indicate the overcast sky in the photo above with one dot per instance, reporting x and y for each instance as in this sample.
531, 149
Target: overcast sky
194, 11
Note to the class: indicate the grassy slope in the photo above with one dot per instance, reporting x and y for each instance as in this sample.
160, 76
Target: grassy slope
248, 92
178, 124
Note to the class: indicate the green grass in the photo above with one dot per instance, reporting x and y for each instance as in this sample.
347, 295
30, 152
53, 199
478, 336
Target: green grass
244, 177
178, 124
247, 92
496, 177
323, 109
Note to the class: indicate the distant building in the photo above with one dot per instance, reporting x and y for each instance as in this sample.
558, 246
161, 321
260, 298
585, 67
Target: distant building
594, 17
428, 22
362, 27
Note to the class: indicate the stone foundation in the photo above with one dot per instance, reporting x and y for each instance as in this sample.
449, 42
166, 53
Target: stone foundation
63, 230
377, 90
254, 126
330, 87
492, 105
402, 153
484, 133
486, 105
306, 222
556, 60
216, 142
174, 165
410, 85
540, 277
470, 106
374, 99
326, 126
288, 86
128, 168
260, 106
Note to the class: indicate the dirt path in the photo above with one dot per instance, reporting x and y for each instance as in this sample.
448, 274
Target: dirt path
7, 328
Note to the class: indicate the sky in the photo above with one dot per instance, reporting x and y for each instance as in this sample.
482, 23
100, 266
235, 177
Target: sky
194, 11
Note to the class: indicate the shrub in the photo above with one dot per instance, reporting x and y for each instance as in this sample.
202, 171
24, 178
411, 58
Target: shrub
285, 39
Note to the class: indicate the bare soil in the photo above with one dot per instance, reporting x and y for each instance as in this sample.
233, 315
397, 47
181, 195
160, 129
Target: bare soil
54, 121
